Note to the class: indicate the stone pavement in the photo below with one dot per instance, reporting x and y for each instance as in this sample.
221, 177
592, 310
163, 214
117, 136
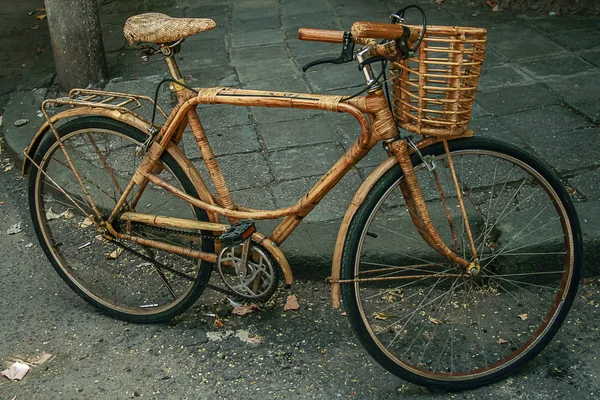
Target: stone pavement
540, 90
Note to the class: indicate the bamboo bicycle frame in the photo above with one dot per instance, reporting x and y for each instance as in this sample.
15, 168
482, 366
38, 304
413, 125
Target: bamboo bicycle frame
377, 124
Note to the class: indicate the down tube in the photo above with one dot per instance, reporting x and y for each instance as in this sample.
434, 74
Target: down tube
308, 202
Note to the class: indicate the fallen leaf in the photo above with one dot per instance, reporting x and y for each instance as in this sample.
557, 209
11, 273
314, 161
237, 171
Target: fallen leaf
434, 320
16, 372
40, 9
496, 8
13, 230
8, 168
218, 323
381, 316
41, 17
502, 341
291, 304
68, 214
439, 1
51, 215
344, 314
241, 310
115, 254
588, 280
1, 120
492, 3
254, 306
523, 316
87, 222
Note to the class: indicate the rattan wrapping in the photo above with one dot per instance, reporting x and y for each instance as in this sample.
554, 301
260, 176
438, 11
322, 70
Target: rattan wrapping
434, 92
160, 28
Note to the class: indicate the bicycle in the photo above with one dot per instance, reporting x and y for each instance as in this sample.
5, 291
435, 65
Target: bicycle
491, 248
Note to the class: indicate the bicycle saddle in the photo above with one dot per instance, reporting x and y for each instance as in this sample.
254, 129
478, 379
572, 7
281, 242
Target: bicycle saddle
160, 28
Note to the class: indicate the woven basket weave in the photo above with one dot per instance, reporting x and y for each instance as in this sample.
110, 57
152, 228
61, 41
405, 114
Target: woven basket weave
434, 92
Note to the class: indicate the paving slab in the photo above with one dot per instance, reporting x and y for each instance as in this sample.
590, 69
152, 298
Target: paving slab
305, 161
299, 132
564, 23
491, 127
22, 105
258, 37
581, 92
569, 152
233, 140
503, 75
253, 71
588, 183
578, 40
592, 57
525, 49
241, 171
332, 207
556, 67
542, 122
517, 98
253, 54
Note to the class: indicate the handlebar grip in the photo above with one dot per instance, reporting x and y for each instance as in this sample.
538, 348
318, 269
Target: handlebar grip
378, 30
321, 35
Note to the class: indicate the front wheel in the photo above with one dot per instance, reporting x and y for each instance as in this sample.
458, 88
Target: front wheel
408, 305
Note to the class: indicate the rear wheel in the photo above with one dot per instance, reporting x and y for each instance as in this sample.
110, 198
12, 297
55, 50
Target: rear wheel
127, 284
417, 317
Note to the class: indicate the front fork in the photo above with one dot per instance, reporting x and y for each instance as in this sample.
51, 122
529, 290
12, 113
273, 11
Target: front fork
419, 213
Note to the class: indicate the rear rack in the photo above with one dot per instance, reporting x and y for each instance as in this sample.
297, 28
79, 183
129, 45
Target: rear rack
123, 102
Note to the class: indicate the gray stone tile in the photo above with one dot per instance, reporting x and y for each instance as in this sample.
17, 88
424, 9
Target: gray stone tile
526, 49
299, 132
128, 64
215, 117
570, 151
479, 111
340, 69
233, 140
333, 206
318, 20
203, 53
259, 198
592, 56
258, 37
321, 81
513, 32
145, 86
242, 5
518, 98
490, 127
241, 171
204, 77
312, 49
285, 83
542, 122
268, 21
581, 89
305, 7
304, 161
495, 77
253, 71
257, 54
560, 66
588, 183
564, 23
469, 16
578, 40
591, 109
267, 115
253, 11
493, 58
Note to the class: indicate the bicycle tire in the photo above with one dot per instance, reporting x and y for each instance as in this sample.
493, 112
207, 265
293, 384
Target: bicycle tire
415, 338
127, 287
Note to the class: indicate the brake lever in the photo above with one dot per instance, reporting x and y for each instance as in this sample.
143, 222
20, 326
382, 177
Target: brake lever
346, 56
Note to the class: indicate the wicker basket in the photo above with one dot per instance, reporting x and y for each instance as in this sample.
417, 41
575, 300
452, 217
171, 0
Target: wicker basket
433, 92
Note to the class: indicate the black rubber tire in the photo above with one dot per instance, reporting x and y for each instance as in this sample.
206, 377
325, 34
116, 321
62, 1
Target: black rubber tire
205, 269
356, 230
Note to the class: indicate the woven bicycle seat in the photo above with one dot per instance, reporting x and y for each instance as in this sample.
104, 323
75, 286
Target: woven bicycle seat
160, 28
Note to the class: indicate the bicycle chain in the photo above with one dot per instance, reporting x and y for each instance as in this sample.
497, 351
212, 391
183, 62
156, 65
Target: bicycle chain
174, 271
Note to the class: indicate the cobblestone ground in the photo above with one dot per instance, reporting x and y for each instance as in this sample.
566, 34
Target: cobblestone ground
539, 90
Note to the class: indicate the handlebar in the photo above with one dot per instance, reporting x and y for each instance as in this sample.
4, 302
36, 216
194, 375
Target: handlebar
361, 31
321, 35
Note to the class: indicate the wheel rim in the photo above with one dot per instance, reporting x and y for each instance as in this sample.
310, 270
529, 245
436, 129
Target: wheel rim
127, 284
472, 350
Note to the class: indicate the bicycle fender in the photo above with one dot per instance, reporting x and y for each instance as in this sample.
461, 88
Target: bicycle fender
357, 201
129, 119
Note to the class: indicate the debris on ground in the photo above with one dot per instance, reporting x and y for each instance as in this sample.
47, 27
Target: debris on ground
51, 215
13, 230
218, 323
241, 310
21, 122
291, 304
16, 372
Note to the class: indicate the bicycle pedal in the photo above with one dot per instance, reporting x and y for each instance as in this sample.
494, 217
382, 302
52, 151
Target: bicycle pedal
238, 232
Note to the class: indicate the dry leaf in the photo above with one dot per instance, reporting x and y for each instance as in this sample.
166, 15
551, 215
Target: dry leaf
241, 310
41, 17
16, 372
115, 254
434, 320
68, 214
51, 215
502, 341
13, 230
1, 120
588, 280
254, 307
381, 316
496, 8
439, 1
291, 304
523, 316
344, 314
8, 168
87, 222
492, 3
218, 323
40, 9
